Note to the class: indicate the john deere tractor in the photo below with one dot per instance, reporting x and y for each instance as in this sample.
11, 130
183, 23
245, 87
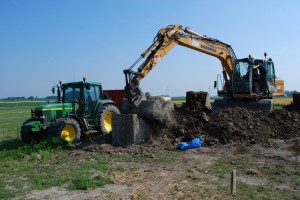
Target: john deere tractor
81, 109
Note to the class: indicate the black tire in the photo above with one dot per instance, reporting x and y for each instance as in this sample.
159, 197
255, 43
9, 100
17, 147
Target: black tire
67, 129
105, 118
28, 137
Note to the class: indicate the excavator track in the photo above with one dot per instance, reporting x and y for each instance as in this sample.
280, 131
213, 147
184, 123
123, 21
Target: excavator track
249, 104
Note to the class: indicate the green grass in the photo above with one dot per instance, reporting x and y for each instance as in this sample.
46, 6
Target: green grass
280, 102
280, 174
24, 168
12, 114
246, 191
38, 166
219, 169
276, 175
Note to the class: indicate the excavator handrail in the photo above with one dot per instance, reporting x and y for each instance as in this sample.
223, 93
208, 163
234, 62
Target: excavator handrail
211, 39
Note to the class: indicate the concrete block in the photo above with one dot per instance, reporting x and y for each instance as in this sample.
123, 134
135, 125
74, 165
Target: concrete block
129, 129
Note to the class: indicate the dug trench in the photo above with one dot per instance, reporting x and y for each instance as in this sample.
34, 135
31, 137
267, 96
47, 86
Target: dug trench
259, 145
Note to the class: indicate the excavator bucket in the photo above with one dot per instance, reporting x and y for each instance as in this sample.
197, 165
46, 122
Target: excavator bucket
155, 108
249, 104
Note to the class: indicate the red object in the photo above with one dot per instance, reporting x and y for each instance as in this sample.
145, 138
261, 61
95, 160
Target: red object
116, 96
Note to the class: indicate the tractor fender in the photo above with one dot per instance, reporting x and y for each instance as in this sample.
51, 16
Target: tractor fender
101, 104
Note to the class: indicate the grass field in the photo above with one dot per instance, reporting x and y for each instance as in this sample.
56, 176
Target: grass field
13, 114
35, 167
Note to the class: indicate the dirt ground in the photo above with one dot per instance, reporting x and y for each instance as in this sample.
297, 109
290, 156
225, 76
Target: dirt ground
154, 180
255, 143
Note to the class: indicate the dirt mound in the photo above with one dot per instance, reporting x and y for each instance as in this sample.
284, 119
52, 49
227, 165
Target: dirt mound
234, 125
242, 126
194, 119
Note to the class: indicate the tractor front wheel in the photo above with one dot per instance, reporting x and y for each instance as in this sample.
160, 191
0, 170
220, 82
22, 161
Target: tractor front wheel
28, 137
105, 118
66, 129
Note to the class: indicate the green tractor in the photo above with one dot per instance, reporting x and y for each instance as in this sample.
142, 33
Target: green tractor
82, 108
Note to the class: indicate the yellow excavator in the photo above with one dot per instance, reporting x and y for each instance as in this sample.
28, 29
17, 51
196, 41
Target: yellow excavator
242, 83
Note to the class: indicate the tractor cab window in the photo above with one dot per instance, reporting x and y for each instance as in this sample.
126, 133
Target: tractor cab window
98, 91
91, 97
72, 94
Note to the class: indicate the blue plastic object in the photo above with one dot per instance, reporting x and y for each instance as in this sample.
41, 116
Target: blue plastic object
195, 143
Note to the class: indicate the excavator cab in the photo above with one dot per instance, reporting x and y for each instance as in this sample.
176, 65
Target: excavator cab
250, 81
242, 74
248, 86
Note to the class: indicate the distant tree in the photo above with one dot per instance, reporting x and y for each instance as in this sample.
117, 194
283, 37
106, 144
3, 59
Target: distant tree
51, 97
289, 93
30, 98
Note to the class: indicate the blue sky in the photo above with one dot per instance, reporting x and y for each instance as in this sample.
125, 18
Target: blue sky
42, 42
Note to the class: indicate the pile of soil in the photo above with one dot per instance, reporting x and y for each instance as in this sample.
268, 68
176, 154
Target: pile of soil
234, 125
194, 119
242, 126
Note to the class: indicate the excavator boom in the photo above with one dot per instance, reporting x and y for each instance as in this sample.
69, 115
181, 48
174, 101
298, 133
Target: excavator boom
164, 41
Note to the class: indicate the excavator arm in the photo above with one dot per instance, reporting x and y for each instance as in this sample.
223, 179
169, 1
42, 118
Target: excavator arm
164, 41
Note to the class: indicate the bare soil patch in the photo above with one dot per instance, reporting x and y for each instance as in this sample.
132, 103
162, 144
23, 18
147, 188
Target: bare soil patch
196, 173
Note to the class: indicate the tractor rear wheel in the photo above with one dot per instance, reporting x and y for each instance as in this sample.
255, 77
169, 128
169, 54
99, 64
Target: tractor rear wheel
105, 118
66, 129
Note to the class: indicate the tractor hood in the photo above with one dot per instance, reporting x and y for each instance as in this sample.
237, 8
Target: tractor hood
48, 113
56, 106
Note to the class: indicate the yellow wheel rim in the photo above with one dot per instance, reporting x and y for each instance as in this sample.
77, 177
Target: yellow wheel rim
108, 122
68, 133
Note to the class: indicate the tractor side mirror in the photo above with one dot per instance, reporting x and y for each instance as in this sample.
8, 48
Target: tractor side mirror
53, 90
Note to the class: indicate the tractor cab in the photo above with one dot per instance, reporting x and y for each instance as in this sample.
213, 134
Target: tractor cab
84, 97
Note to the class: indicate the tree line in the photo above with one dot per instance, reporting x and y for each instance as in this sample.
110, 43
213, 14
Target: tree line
30, 98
